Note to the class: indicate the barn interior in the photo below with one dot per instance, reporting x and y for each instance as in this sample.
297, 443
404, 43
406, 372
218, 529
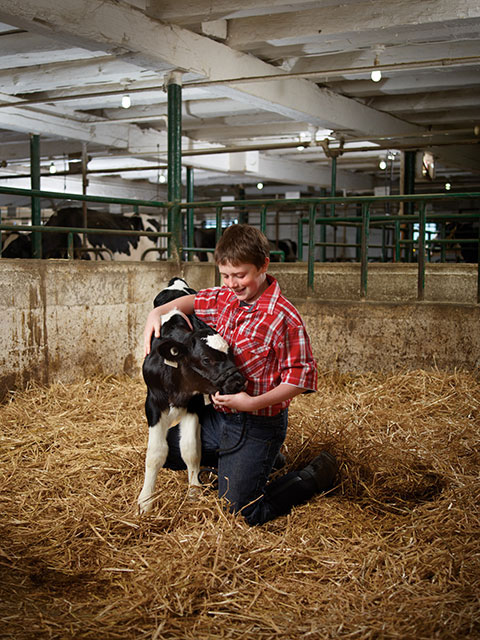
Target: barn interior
279, 100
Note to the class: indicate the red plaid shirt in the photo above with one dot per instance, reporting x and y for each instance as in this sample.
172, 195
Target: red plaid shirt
269, 340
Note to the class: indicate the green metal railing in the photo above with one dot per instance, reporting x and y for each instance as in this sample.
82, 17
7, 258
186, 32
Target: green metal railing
364, 221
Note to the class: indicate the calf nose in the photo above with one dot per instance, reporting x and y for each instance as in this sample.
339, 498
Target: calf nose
233, 384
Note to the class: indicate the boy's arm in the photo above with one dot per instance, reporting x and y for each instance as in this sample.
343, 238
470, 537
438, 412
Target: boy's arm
154, 322
243, 402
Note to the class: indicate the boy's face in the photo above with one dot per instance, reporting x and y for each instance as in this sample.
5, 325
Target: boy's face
245, 280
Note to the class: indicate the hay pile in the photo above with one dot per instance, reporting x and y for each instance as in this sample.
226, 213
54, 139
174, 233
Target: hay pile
393, 553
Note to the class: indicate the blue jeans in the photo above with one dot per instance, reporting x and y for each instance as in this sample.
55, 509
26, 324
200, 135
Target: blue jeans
244, 446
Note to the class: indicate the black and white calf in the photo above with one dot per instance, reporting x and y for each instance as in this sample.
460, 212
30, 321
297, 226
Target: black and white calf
188, 360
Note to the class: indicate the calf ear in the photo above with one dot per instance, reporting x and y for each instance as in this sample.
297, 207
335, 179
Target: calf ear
171, 351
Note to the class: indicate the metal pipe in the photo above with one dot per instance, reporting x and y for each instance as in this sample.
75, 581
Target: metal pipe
423, 64
35, 184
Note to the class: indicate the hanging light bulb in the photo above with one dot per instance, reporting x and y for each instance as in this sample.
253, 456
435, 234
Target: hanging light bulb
52, 168
376, 74
126, 102
259, 186
382, 165
162, 178
448, 186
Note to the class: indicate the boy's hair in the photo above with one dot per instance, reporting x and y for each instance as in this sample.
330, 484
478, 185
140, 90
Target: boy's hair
242, 244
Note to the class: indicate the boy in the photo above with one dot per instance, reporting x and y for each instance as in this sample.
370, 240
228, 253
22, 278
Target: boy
243, 432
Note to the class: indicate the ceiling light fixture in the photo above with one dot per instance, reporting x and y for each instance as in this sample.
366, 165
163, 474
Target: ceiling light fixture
259, 186
126, 101
376, 74
448, 186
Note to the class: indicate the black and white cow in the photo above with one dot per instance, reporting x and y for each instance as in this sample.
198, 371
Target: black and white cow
188, 360
105, 246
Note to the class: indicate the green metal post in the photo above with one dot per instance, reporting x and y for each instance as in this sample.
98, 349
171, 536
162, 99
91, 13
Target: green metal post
300, 239
218, 233
421, 253
409, 189
323, 227
358, 233
311, 247
333, 191
263, 219
190, 229
174, 92
35, 184
397, 241
364, 249
242, 213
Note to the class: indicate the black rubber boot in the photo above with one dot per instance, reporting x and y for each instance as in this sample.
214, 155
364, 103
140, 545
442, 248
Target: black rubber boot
321, 473
280, 462
298, 487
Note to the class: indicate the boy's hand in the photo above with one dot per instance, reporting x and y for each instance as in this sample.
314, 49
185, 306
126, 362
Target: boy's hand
152, 327
238, 401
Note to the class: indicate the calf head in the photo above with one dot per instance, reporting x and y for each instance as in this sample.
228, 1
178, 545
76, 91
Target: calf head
200, 359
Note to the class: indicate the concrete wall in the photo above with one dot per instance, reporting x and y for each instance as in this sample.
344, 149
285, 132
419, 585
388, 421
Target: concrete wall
63, 320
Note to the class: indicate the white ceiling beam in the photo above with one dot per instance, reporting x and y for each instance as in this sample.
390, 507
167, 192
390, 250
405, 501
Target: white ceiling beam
345, 19
28, 49
431, 80
294, 172
191, 11
390, 55
421, 102
90, 73
432, 118
117, 28
107, 187
223, 132
24, 120
461, 156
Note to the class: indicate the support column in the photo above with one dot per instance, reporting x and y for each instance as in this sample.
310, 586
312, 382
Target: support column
409, 188
190, 211
35, 184
174, 92
333, 193
84, 190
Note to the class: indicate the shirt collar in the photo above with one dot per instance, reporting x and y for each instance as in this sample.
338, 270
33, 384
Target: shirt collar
266, 302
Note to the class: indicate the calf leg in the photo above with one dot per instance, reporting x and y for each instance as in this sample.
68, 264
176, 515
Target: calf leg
157, 451
191, 447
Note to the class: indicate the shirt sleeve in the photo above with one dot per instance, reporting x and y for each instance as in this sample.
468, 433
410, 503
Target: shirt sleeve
206, 306
297, 364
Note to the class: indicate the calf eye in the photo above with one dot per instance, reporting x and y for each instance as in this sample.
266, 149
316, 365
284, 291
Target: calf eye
206, 361
174, 351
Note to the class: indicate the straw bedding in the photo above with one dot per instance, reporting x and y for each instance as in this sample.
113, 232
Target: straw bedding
394, 552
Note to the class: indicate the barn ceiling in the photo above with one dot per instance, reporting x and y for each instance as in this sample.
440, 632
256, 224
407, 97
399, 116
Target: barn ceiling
284, 82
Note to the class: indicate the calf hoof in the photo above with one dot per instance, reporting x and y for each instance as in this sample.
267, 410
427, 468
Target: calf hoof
144, 506
194, 493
